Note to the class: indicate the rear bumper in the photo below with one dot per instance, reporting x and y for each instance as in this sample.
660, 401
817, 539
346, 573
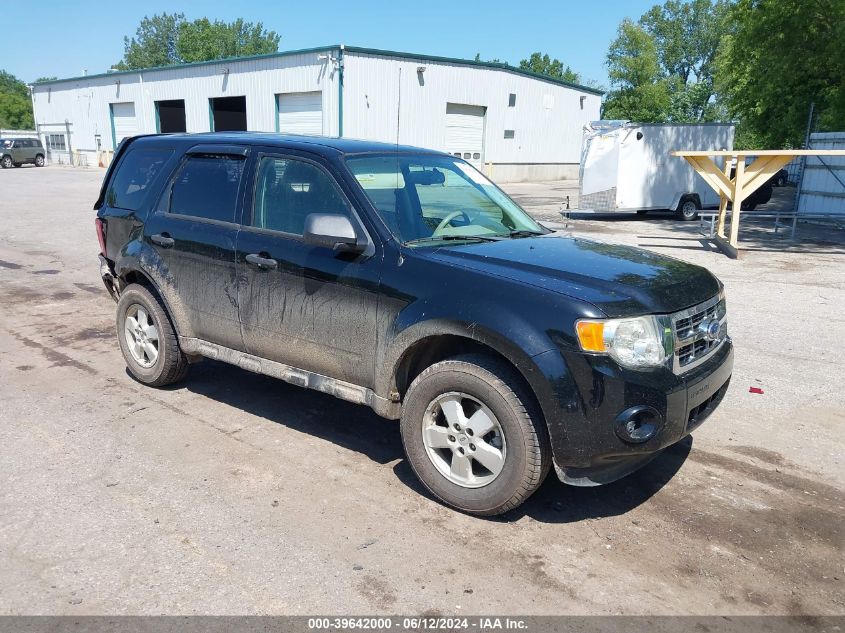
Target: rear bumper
587, 444
109, 278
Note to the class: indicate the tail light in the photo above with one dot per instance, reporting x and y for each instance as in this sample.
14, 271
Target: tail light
101, 235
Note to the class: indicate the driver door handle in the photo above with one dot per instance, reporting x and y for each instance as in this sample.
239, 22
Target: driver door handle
163, 240
264, 263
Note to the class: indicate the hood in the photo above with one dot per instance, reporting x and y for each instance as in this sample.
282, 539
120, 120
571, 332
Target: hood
619, 280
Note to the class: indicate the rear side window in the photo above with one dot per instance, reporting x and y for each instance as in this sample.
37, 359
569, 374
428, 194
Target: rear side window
207, 187
129, 186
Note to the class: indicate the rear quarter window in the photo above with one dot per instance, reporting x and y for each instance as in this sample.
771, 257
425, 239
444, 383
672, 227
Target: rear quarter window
131, 182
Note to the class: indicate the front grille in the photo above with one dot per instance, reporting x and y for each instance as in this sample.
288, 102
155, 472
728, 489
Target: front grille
699, 331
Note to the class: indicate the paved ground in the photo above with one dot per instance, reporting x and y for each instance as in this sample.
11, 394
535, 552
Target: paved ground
233, 493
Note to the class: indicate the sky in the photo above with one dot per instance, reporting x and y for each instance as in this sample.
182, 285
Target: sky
74, 36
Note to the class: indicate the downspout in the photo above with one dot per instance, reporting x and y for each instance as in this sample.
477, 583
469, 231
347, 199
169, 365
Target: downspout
340, 92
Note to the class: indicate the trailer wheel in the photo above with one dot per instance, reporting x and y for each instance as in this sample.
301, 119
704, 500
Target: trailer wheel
688, 209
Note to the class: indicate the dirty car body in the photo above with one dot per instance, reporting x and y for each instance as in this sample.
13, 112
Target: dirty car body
351, 292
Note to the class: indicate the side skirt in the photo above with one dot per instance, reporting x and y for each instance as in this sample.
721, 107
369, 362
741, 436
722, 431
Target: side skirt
293, 375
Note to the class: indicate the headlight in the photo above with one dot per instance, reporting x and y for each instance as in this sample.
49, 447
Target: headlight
636, 343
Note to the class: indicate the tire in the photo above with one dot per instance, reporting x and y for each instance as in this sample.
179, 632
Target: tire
169, 364
466, 386
6, 162
687, 209
18, 164
39, 160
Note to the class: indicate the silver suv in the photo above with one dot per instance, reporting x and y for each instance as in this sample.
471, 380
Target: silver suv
15, 152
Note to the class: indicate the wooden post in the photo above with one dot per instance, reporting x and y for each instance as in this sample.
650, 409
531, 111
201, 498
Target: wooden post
723, 200
738, 196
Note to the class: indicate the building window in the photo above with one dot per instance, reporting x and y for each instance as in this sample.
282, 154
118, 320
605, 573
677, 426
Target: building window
511, 100
509, 134
56, 142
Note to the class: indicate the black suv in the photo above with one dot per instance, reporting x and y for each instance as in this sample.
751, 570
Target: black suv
403, 279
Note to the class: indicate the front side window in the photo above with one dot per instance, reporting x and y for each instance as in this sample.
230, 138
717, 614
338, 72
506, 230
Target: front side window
129, 186
207, 187
426, 198
288, 190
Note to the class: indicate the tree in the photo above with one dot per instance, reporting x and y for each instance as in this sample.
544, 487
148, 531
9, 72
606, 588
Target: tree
154, 43
15, 103
687, 36
202, 40
782, 56
545, 65
639, 91
167, 39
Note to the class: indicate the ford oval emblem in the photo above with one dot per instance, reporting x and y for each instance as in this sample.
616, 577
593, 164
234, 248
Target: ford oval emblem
711, 330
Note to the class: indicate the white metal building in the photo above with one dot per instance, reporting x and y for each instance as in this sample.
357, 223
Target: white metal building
515, 124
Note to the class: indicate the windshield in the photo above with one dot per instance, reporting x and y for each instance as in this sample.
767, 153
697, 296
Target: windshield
433, 198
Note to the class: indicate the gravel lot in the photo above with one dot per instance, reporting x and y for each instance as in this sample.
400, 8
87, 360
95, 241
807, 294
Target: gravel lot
234, 493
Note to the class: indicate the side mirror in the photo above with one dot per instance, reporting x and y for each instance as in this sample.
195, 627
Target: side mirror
333, 231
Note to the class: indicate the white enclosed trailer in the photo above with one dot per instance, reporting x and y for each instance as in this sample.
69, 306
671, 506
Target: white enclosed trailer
627, 167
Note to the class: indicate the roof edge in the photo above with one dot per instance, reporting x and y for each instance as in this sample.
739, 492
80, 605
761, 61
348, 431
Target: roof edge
351, 49
222, 60
471, 62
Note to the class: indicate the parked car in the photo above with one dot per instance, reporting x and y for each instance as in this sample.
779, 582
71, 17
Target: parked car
405, 280
16, 152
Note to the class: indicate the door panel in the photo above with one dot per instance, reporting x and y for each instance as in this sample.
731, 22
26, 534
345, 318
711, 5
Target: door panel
311, 307
194, 232
465, 132
300, 113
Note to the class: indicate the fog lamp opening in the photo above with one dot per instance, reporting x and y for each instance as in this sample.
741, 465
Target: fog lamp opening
638, 424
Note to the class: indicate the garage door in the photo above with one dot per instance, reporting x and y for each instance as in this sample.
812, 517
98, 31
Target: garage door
465, 132
124, 121
300, 113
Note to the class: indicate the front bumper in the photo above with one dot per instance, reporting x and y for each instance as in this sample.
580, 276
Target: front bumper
586, 447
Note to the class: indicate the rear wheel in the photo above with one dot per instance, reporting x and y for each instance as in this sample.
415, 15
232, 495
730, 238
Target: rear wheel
147, 339
687, 209
39, 161
6, 162
473, 436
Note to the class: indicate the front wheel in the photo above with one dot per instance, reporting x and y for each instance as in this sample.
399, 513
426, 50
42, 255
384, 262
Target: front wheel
6, 162
39, 161
147, 339
473, 435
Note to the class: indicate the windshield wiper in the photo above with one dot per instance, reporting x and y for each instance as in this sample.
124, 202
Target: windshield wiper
447, 238
524, 233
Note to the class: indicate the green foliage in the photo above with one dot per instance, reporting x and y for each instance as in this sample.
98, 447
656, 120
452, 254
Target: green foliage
782, 56
545, 65
640, 91
15, 103
673, 81
167, 39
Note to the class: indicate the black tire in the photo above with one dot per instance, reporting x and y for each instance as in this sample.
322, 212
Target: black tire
6, 162
39, 160
171, 365
688, 209
527, 454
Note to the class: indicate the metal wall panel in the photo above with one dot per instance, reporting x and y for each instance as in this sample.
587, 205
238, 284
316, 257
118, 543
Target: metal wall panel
86, 101
547, 118
823, 183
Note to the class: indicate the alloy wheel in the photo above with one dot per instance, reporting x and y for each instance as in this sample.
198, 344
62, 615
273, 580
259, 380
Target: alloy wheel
464, 440
141, 335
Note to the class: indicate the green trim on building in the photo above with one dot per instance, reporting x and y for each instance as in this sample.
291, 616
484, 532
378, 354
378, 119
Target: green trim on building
276, 98
113, 133
348, 49
158, 118
210, 114
340, 91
